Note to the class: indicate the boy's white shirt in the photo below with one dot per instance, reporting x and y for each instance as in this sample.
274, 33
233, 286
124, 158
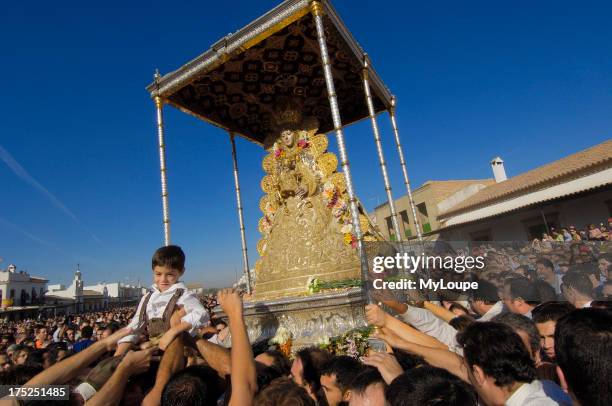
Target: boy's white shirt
196, 314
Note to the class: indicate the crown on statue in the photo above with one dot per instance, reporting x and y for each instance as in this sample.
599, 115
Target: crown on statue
287, 114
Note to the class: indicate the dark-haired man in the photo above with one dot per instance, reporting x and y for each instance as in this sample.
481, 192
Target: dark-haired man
499, 366
85, 341
336, 375
367, 389
485, 301
429, 385
545, 317
583, 345
195, 385
577, 289
546, 272
520, 296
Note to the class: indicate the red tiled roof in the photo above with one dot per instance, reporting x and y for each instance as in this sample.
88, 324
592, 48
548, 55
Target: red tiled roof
576, 165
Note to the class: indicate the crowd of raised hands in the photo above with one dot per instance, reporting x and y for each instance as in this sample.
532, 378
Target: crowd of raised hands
435, 352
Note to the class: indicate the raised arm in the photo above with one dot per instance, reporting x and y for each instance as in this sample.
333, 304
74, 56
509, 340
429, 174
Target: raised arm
69, 368
378, 317
439, 311
438, 357
243, 377
134, 362
216, 356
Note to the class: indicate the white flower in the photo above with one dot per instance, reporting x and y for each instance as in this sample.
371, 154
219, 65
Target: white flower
281, 337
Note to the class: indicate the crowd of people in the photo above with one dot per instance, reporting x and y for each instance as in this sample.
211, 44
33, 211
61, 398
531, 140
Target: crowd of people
592, 232
523, 337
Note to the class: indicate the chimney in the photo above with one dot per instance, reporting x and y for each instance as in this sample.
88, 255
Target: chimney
497, 164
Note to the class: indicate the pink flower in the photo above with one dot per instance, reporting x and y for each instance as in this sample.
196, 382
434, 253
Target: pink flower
303, 144
278, 152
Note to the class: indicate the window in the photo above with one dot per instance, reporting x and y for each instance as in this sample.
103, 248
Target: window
535, 226
482, 235
12, 294
423, 217
405, 223
390, 228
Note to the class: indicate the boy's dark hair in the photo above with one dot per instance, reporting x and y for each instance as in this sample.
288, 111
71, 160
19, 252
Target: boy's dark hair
345, 369
499, 351
429, 386
459, 323
86, 332
551, 311
583, 346
486, 292
280, 362
265, 375
284, 392
194, 386
408, 360
522, 323
171, 256
368, 376
523, 288
312, 360
578, 281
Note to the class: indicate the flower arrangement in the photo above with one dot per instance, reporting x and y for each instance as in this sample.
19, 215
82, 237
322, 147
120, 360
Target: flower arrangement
283, 340
278, 151
303, 143
315, 285
353, 343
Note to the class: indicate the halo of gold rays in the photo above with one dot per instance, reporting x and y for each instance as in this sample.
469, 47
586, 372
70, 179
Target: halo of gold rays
339, 181
268, 163
318, 145
267, 183
328, 163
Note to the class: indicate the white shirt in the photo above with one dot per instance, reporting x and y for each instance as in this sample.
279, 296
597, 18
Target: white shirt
196, 314
530, 394
56, 337
426, 322
497, 308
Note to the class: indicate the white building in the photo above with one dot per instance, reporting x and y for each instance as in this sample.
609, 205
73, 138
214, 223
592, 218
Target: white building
75, 298
19, 288
119, 293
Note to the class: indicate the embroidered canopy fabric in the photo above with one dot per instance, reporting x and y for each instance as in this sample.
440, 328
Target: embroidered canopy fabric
237, 82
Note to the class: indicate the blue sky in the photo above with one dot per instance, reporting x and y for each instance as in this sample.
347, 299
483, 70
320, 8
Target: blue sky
529, 81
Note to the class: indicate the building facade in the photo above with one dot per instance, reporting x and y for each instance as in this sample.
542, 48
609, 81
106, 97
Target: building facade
572, 191
18, 288
427, 200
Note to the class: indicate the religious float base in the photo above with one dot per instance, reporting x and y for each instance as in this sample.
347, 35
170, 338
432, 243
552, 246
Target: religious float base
310, 319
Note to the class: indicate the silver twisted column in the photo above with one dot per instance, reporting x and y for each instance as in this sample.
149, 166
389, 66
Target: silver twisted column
317, 11
404, 169
245, 258
381, 156
159, 104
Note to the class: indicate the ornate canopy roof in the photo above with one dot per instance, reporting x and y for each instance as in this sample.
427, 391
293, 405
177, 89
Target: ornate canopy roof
236, 83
